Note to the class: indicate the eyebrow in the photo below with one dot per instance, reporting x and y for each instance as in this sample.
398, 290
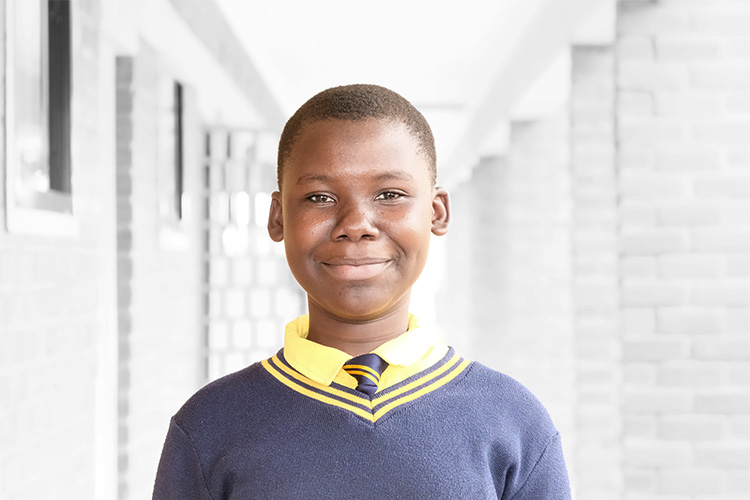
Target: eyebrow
312, 178
388, 175
395, 174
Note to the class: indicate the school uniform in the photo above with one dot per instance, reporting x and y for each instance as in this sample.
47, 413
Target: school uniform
295, 427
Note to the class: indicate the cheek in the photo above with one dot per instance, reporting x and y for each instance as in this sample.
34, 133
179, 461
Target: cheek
304, 228
302, 238
413, 236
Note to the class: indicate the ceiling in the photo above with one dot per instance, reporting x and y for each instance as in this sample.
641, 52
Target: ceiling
469, 66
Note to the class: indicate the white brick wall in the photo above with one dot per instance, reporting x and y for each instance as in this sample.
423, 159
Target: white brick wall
684, 179
507, 300
458, 294
595, 292
53, 314
619, 288
660, 255
160, 292
76, 421
251, 295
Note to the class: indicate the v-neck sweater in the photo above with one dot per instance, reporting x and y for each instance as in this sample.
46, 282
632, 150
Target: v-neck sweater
456, 430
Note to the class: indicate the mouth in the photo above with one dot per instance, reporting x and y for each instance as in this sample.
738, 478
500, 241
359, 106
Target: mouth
353, 270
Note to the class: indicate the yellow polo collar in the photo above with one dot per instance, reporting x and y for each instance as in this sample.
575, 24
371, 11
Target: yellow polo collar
411, 352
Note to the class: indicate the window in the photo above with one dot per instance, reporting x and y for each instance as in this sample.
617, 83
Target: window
179, 169
171, 151
173, 202
58, 29
38, 95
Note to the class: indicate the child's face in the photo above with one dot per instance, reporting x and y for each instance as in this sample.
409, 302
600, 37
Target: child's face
355, 211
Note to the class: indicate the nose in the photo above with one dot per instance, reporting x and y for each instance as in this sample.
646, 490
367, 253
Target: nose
354, 221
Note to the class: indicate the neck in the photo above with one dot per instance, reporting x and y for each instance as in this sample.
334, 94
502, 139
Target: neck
356, 337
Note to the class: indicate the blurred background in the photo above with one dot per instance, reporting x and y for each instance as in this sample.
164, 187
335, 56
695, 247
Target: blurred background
598, 157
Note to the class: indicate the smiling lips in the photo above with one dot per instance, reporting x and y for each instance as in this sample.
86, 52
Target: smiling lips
355, 269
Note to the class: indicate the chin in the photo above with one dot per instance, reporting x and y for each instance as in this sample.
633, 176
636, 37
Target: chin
362, 311
360, 314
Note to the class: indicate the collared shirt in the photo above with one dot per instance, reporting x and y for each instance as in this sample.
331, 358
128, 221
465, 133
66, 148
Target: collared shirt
408, 354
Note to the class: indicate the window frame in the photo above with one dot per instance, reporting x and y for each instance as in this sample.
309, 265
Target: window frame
46, 208
173, 203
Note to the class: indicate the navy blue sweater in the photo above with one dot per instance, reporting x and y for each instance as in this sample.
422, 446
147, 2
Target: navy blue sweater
455, 431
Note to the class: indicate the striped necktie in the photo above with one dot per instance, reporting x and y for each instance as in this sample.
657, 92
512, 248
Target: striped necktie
367, 369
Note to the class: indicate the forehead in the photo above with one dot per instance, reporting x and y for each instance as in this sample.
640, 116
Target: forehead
347, 147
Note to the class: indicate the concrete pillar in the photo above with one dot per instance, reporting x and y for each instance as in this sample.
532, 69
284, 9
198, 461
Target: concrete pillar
506, 301
595, 271
471, 304
161, 346
537, 344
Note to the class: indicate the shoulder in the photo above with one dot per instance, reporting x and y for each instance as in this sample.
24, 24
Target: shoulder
509, 400
225, 396
502, 384
525, 442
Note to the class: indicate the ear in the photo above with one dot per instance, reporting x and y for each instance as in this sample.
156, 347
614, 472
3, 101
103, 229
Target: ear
275, 218
441, 211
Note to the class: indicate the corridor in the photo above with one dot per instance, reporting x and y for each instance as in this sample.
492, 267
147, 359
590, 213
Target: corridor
597, 155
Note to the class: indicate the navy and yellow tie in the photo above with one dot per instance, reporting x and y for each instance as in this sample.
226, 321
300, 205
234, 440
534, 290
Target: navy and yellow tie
367, 369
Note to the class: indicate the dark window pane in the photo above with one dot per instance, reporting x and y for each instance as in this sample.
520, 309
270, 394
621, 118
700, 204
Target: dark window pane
59, 94
178, 153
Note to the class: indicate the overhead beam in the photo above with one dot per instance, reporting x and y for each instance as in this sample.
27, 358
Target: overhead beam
553, 26
210, 26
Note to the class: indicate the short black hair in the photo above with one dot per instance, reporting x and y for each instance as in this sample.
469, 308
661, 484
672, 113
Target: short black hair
358, 102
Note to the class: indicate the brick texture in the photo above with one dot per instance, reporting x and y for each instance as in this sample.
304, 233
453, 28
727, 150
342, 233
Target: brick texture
103, 333
604, 261
682, 162
250, 293
457, 301
538, 344
158, 273
595, 292
477, 265
51, 312
508, 299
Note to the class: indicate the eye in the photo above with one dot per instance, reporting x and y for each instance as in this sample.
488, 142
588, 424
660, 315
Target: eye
389, 196
320, 198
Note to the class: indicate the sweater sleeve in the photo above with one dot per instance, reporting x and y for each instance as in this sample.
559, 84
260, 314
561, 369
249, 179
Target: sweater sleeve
179, 476
548, 479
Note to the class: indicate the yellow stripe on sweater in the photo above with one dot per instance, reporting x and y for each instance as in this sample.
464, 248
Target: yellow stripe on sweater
314, 395
336, 392
411, 397
451, 369
422, 380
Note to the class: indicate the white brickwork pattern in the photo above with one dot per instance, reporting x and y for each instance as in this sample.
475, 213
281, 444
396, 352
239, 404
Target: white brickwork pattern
683, 80
51, 312
251, 294
537, 336
604, 262
159, 283
595, 268
507, 302
472, 305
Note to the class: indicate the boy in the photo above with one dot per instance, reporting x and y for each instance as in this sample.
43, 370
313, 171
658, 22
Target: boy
361, 402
